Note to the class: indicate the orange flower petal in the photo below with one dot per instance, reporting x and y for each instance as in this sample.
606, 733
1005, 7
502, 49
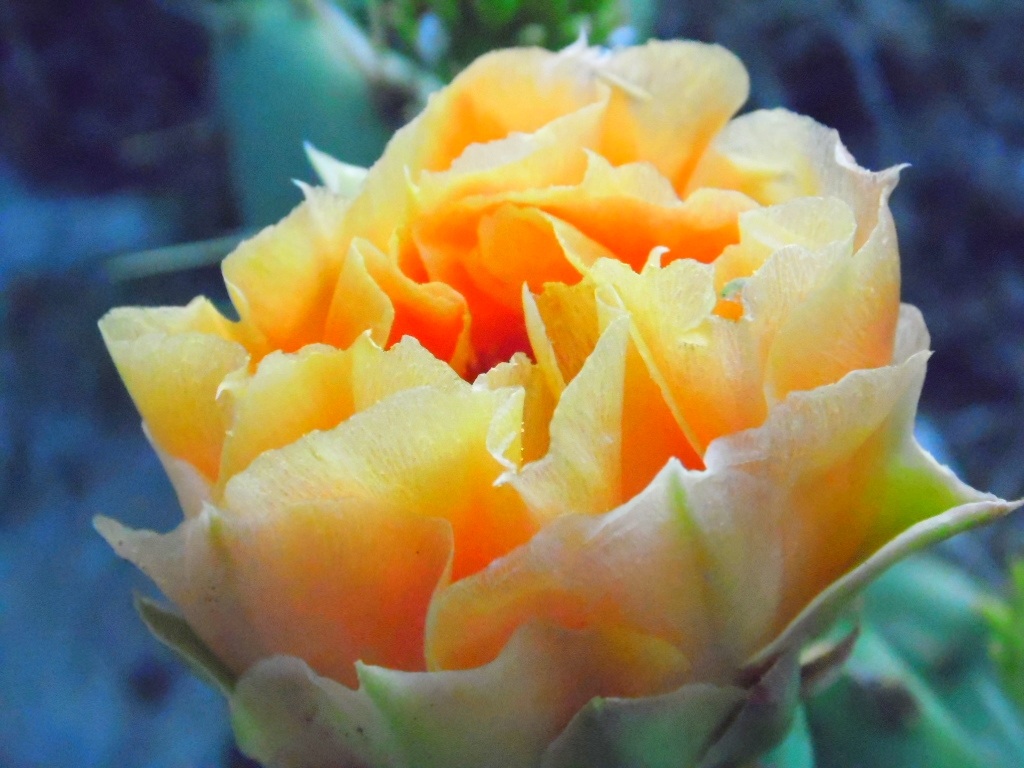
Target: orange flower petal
423, 450
305, 580
634, 568
334, 384
632, 209
359, 303
706, 366
671, 100
582, 470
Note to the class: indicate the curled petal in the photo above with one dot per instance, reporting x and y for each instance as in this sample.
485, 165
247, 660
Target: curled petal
582, 469
848, 322
302, 580
634, 567
374, 293
775, 155
281, 280
172, 361
263, 412
705, 366
423, 451
669, 100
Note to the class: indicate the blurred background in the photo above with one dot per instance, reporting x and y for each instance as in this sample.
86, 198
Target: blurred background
127, 127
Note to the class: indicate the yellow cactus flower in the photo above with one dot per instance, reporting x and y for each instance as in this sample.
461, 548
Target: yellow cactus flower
585, 389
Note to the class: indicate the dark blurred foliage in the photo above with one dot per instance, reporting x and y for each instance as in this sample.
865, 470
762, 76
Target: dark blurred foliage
448, 34
85, 84
110, 94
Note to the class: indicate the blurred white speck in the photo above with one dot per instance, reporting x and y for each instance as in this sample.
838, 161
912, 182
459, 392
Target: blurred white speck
932, 441
432, 38
621, 37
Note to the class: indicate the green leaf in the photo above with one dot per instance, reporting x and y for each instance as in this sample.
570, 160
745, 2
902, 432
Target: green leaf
1005, 619
881, 712
796, 750
930, 612
173, 631
495, 14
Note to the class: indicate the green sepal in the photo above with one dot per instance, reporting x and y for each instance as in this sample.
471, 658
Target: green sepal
171, 629
764, 718
284, 715
500, 715
665, 731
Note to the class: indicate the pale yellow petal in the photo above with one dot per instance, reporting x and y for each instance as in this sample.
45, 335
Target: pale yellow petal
704, 365
815, 457
669, 99
554, 154
281, 281
172, 361
813, 223
288, 396
538, 404
582, 469
188, 566
359, 303
570, 322
506, 92
776, 155
847, 323
317, 388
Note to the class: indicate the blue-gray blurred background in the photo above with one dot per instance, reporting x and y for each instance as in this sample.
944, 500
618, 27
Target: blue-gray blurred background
125, 126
